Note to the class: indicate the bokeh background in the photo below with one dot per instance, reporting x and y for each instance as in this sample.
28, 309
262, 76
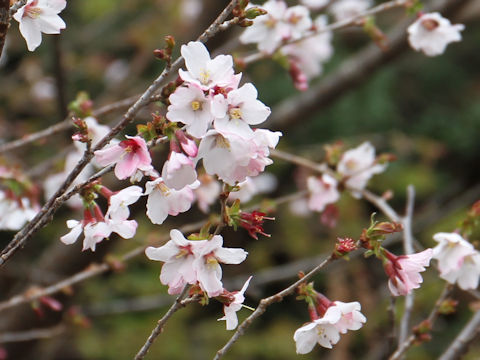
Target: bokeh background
424, 110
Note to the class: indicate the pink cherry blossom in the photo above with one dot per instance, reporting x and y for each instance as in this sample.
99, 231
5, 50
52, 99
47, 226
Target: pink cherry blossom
207, 263
178, 171
431, 33
404, 271
351, 318
322, 331
203, 71
178, 257
358, 166
39, 16
231, 308
163, 201
129, 156
190, 106
323, 191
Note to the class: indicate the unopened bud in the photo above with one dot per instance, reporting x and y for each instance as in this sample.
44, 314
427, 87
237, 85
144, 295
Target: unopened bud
245, 23
170, 41
253, 12
448, 306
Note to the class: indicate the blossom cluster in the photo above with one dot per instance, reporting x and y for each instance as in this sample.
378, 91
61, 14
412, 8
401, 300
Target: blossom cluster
329, 320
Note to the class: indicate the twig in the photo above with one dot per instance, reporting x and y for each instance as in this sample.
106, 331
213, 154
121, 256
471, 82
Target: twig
459, 346
432, 317
264, 303
161, 323
14, 8
4, 22
408, 248
332, 27
33, 334
43, 216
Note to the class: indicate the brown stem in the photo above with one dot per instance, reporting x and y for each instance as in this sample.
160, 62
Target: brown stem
4, 22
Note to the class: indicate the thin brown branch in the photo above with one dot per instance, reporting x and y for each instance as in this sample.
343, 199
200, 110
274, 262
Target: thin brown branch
4, 22
44, 215
177, 305
432, 317
264, 303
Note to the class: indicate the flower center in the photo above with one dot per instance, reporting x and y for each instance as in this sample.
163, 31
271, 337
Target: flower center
211, 261
196, 105
205, 77
351, 164
430, 24
221, 142
270, 22
32, 11
235, 113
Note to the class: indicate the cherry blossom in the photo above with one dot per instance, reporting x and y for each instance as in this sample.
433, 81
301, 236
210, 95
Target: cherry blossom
458, 261
404, 271
431, 33
203, 71
309, 54
351, 318
322, 331
208, 191
178, 257
230, 309
261, 184
240, 109
163, 201
314, 4
358, 166
15, 211
129, 156
267, 30
39, 16
178, 171
190, 106
207, 263
298, 22
120, 201
323, 191
93, 231
347, 9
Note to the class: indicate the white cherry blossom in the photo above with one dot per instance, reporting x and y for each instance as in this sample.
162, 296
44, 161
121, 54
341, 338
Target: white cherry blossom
351, 318
347, 9
358, 166
468, 274
431, 33
178, 171
190, 106
231, 309
38, 16
163, 201
203, 71
208, 257
95, 233
208, 191
178, 256
322, 331
298, 21
238, 110
261, 184
314, 4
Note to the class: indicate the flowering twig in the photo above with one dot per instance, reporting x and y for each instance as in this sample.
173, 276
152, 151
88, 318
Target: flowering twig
402, 348
33, 334
264, 303
332, 27
458, 347
178, 304
408, 248
43, 216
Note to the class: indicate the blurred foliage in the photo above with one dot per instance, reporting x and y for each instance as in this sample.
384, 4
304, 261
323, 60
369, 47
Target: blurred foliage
424, 110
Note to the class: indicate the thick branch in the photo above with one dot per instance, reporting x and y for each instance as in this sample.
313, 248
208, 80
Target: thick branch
459, 346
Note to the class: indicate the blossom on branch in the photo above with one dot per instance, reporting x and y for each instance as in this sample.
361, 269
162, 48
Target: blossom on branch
458, 261
347, 9
129, 156
431, 33
323, 191
39, 16
230, 309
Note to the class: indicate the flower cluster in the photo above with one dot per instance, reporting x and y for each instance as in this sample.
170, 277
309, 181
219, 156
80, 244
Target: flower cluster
431, 33
458, 260
194, 262
329, 320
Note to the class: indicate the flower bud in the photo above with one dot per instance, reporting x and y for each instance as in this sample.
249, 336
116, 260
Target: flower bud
253, 12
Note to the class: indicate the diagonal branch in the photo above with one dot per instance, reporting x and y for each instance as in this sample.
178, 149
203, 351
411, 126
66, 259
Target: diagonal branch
459, 346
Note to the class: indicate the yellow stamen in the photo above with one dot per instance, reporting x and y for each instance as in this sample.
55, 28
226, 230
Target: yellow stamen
205, 77
235, 113
196, 105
